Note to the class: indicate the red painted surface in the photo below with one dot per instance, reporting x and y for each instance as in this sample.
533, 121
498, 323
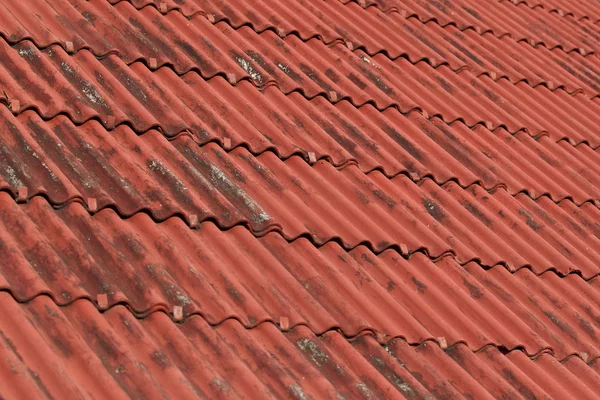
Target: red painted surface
315, 199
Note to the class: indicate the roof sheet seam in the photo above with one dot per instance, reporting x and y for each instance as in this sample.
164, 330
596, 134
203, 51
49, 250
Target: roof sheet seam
381, 338
148, 63
431, 62
306, 157
560, 12
477, 29
192, 222
580, 143
550, 85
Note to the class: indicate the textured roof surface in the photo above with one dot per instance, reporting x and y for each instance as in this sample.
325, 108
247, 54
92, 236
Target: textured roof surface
300, 199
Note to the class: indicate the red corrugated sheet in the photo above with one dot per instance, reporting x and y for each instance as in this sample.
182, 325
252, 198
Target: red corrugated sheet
74, 350
302, 199
232, 274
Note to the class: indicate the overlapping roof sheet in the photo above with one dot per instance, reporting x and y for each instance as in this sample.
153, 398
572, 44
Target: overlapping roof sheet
308, 199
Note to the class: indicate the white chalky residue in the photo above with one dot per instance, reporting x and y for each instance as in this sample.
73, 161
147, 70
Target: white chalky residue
159, 167
316, 355
297, 390
52, 174
221, 385
282, 67
406, 389
13, 179
66, 67
27, 52
368, 61
249, 69
132, 84
88, 90
217, 175
92, 94
365, 390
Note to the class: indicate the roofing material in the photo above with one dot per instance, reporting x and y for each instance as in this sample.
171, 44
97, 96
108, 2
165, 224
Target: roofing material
358, 199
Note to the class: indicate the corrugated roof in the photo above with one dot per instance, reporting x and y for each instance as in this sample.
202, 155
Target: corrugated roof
149, 174
108, 89
315, 199
232, 274
133, 35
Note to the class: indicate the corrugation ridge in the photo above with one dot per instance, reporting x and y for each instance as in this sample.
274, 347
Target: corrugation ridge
381, 338
276, 228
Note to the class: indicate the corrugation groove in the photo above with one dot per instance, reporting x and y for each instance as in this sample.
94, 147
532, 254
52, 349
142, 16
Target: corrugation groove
378, 337
232, 274
80, 341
